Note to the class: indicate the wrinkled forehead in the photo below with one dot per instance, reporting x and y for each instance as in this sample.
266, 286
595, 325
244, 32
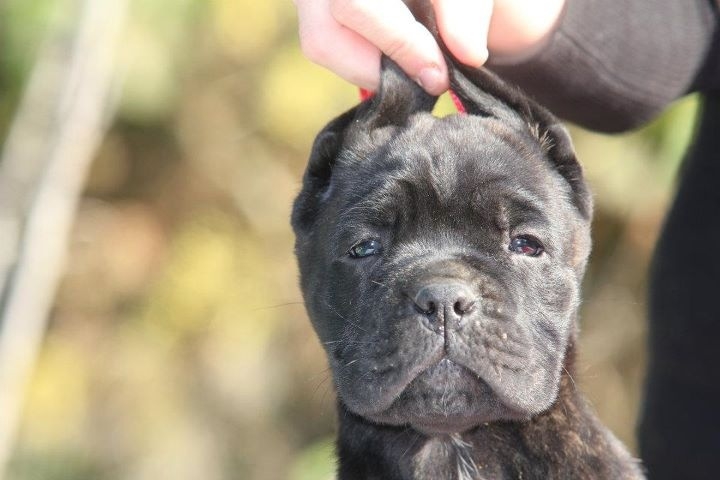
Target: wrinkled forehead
443, 163
446, 154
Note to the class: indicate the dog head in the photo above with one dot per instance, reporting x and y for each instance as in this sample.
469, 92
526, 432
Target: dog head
441, 258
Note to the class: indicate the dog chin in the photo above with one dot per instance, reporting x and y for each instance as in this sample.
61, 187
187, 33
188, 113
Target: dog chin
446, 398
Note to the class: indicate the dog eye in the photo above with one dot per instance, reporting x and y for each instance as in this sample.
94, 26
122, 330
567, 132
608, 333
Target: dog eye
365, 249
526, 245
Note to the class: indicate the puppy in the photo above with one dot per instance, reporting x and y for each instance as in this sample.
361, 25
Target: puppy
441, 261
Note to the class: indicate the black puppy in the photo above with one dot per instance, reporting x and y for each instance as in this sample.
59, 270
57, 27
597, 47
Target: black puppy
441, 260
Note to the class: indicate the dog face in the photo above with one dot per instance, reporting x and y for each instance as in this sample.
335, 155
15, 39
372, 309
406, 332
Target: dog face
441, 258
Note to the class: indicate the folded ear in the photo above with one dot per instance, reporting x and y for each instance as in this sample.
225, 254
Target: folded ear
316, 181
397, 99
484, 93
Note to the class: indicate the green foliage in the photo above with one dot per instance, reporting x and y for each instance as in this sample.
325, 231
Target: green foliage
636, 170
672, 132
316, 462
57, 465
22, 27
157, 33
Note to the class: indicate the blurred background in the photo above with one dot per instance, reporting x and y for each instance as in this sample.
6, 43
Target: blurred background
177, 345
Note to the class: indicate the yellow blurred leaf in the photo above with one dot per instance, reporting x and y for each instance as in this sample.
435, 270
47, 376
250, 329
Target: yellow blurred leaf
245, 29
57, 399
299, 98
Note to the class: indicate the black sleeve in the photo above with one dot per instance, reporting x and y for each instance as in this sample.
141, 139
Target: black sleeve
612, 65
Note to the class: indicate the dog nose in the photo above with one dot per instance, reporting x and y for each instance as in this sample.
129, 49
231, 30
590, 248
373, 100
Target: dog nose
445, 300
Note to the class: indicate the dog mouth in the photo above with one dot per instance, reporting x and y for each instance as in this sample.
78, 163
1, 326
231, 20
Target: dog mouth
480, 371
446, 398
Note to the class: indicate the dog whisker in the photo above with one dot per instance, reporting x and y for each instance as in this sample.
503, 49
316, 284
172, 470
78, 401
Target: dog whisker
381, 284
270, 307
347, 342
323, 372
327, 304
325, 393
572, 380
320, 384
412, 443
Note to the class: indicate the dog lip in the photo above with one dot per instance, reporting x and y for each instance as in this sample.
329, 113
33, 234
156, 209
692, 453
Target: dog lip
442, 358
442, 361
440, 422
397, 389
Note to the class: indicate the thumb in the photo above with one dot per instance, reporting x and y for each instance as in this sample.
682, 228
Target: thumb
391, 27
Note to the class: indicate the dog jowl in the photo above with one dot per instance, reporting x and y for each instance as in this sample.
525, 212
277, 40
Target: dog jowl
441, 259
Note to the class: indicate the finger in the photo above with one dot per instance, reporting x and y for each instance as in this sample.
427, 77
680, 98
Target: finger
324, 41
463, 26
391, 27
521, 27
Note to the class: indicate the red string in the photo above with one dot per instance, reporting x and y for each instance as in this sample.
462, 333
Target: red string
366, 94
458, 103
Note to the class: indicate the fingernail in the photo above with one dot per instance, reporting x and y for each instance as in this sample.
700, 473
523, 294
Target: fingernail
431, 79
479, 59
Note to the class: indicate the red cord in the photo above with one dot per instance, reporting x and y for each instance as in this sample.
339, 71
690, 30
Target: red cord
366, 94
458, 103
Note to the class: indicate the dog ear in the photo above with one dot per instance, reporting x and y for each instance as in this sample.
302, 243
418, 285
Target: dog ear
396, 100
316, 181
484, 93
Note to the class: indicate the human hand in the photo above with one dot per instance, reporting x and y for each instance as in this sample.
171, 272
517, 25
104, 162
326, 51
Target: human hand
348, 36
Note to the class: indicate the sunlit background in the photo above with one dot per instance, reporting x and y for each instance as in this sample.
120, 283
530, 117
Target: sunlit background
178, 346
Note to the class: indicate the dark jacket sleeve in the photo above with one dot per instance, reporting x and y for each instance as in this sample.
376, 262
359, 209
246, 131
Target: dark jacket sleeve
612, 65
